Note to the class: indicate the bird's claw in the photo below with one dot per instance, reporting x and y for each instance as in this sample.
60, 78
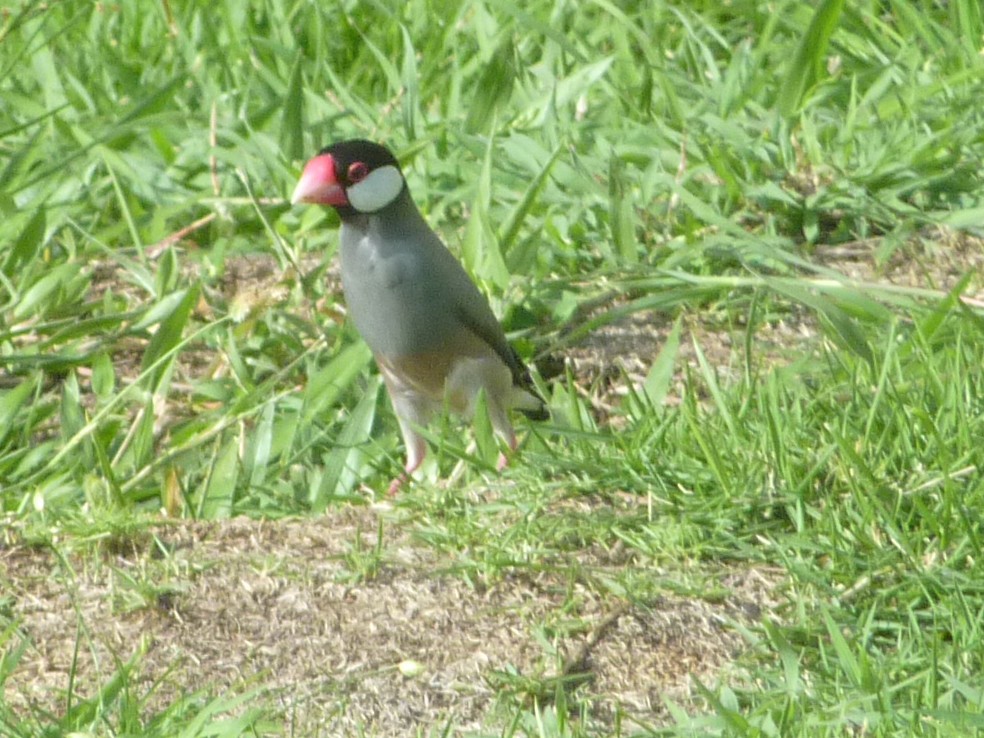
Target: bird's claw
396, 484
502, 463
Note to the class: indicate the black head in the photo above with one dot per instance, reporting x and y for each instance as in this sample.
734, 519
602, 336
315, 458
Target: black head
354, 176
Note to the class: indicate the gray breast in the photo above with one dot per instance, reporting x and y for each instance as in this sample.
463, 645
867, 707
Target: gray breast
393, 294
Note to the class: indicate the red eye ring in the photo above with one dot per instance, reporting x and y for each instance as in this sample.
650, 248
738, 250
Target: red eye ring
357, 172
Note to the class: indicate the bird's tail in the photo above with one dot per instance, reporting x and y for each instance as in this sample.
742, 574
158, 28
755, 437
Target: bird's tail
529, 403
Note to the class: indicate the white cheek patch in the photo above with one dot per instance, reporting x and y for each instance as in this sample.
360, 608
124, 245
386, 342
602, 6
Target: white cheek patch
377, 190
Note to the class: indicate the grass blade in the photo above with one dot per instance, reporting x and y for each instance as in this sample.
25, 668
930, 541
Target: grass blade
808, 63
344, 459
220, 492
168, 337
11, 401
292, 123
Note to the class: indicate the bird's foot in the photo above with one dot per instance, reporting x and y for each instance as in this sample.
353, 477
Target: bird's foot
397, 483
502, 463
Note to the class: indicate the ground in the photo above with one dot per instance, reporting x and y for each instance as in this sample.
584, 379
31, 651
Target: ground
398, 640
277, 602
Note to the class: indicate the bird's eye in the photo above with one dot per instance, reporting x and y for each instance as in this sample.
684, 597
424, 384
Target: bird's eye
357, 172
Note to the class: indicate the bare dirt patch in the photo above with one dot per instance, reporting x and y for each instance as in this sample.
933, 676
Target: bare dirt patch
281, 603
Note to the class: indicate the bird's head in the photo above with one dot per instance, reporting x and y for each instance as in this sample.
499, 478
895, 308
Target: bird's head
351, 175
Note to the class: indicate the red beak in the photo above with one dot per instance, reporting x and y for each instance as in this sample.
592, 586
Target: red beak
318, 184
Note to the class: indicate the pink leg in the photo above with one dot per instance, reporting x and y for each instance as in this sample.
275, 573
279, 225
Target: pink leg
412, 410
503, 461
416, 451
396, 484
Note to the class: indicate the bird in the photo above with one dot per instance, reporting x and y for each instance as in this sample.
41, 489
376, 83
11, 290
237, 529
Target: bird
431, 331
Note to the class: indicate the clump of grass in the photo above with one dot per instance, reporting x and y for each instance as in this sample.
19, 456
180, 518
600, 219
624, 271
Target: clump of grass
170, 338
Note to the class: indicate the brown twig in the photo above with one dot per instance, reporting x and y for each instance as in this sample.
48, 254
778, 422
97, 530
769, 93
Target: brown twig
578, 663
158, 248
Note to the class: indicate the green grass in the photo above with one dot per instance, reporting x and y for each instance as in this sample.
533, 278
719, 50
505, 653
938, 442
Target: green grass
688, 157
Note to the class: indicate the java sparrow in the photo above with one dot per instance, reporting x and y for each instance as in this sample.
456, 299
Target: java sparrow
432, 333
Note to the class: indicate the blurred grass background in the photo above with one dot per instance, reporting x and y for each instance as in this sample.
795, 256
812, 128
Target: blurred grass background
588, 161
